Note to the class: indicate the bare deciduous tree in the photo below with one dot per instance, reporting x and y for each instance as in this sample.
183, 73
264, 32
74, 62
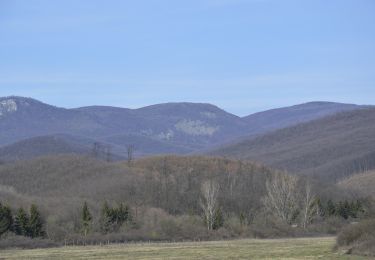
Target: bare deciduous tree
208, 202
95, 150
108, 153
281, 198
130, 152
309, 206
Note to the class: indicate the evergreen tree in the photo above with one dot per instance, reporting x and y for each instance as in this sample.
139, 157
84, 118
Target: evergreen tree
356, 209
242, 218
35, 223
112, 218
320, 211
6, 219
330, 209
86, 218
343, 209
106, 219
21, 223
122, 214
218, 220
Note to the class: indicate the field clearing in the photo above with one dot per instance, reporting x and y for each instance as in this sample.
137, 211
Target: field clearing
301, 248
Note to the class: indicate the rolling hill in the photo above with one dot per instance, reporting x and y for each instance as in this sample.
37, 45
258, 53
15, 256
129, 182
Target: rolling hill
332, 147
58, 144
190, 125
41, 145
273, 119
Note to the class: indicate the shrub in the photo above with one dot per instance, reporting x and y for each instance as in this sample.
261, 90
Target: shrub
358, 237
170, 228
331, 225
270, 227
14, 241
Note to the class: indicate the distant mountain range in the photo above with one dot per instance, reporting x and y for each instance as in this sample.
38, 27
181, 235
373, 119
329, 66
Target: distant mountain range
31, 128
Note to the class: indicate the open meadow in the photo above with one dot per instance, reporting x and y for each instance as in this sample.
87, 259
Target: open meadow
301, 248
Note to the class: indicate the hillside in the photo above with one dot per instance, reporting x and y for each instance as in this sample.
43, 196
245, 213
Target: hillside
164, 128
332, 147
23, 118
154, 187
164, 195
83, 176
273, 119
171, 128
42, 145
58, 144
362, 184
184, 125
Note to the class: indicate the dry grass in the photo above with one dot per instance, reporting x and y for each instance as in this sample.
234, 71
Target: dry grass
302, 248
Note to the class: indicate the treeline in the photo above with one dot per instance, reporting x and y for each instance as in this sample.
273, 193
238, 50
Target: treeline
173, 198
284, 202
21, 222
344, 209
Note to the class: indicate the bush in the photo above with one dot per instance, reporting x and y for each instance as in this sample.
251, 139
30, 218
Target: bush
233, 224
331, 225
366, 248
358, 238
13, 241
170, 227
269, 227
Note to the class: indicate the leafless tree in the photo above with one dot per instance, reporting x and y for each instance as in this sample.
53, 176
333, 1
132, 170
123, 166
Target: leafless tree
309, 205
95, 150
281, 198
108, 153
208, 202
130, 152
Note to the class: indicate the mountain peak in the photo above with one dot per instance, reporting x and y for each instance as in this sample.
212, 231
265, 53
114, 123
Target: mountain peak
12, 104
18, 101
180, 105
205, 110
7, 106
322, 104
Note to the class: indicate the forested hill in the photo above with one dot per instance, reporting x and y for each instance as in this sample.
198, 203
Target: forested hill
332, 147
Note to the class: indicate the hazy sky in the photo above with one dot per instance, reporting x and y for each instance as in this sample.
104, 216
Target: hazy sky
242, 55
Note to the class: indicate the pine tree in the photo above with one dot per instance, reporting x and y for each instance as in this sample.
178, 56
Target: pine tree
123, 214
86, 218
356, 209
35, 223
111, 219
6, 219
343, 209
21, 223
218, 219
242, 218
106, 219
330, 209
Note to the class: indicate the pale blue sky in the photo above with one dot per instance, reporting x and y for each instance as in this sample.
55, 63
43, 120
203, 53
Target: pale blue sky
242, 55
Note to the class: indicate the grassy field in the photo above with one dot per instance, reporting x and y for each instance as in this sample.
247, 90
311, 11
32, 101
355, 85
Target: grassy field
302, 248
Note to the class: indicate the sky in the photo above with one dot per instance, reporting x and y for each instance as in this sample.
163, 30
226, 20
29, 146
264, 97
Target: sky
241, 55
